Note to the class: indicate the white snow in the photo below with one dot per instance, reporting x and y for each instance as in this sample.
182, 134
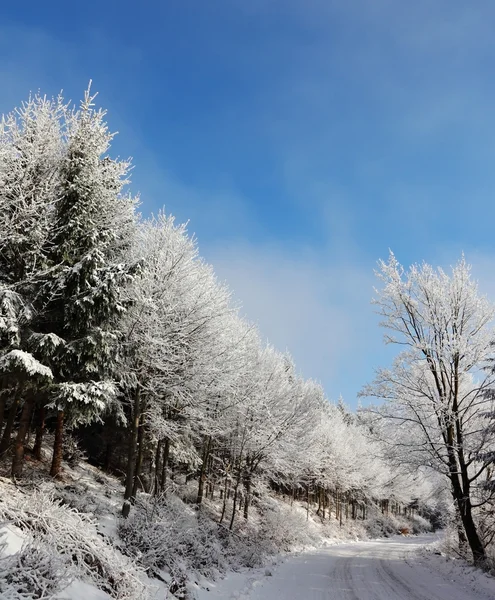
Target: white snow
25, 362
79, 590
11, 540
389, 569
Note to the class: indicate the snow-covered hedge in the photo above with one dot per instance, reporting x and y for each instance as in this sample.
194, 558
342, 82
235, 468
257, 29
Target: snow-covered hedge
60, 544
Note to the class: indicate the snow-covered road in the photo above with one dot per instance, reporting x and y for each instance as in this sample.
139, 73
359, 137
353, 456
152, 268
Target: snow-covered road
378, 570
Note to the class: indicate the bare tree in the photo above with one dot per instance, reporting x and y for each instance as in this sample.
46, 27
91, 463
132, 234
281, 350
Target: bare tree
435, 392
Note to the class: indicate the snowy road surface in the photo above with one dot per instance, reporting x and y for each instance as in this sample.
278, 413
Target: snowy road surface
378, 570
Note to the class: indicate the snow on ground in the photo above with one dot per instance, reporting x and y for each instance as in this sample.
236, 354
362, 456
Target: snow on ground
397, 568
11, 540
79, 590
388, 569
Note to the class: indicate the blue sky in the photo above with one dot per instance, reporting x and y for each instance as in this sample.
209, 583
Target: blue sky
301, 139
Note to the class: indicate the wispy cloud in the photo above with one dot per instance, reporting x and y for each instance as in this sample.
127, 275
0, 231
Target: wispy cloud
316, 308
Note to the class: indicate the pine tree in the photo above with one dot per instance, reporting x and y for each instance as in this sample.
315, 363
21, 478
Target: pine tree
30, 152
82, 299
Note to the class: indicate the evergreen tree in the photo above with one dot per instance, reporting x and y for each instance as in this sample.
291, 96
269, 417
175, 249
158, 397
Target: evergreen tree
30, 153
82, 298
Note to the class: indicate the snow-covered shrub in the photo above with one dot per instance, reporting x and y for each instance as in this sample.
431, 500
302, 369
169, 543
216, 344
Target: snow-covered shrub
81, 498
419, 525
166, 533
383, 526
242, 547
283, 528
36, 571
73, 539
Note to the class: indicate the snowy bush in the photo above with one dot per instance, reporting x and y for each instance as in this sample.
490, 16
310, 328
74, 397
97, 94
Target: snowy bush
165, 533
382, 525
283, 528
420, 525
33, 572
71, 539
81, 498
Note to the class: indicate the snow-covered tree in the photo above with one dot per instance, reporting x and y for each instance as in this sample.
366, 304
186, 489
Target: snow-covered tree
81, 300
30, 152
173, 335
435, 393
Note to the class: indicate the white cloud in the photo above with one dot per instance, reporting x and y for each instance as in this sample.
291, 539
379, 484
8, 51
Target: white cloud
315, 307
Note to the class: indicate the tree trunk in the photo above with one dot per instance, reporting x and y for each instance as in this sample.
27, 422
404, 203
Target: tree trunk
247, 487
461, 496
307, 502
57, 446
202, 474
131, 455
2, 411
40, 430
475, 543
158, 457
225, 497
5, 445
236, 489
18, 459
166, 453
139, 458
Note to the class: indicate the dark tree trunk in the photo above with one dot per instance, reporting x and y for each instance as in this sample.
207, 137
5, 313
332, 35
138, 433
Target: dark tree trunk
247, 487
461, 496
40, 430
236, 490
5, 444
57, 445
158, 457
477, 548
131, 455
225, 497
204, 469
234, 507
2, 411
139, 458
166, 453
18, 459
307, 502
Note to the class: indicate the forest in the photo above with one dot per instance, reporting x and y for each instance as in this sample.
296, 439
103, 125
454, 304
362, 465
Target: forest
122, 354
